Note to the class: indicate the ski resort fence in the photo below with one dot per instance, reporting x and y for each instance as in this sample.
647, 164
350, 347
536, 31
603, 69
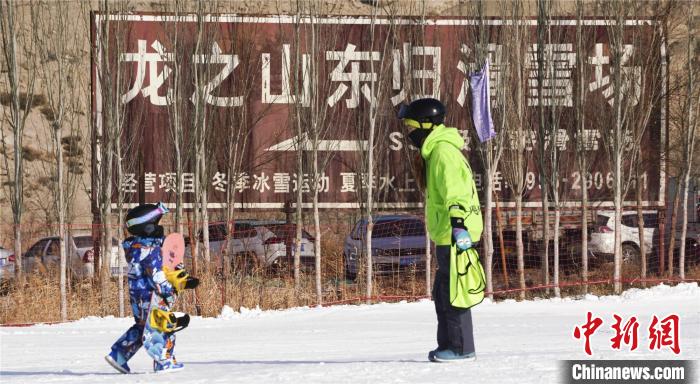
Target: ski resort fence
250, 267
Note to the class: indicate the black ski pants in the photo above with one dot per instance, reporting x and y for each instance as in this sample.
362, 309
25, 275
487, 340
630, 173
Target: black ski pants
455, 330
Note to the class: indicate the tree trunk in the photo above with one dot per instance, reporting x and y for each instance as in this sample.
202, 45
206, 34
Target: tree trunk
672, 232
317, 242
519, 243
487, 233
545, 236
684, 224
317, 223
617, 170
300, 202
499, 225
691, 127
640, 227
61, 213
557, 220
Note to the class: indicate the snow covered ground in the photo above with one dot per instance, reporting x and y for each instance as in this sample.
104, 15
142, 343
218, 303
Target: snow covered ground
385, 343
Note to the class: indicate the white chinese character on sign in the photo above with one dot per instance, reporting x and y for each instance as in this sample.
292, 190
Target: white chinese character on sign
430, 73
260, 183
477, 181
386, 182
355, 77
242, 182
219, 182
281, 182
560, 139
230, 63
525, 140
187, 182
149, 180
286, 97
323, 183
528, 140
407, 186
631, 76
558, 60
363, 180
156, 79
497, 179
168, 182
348, 182
129, 183
494, 53
590, 139
305, 187
467, 139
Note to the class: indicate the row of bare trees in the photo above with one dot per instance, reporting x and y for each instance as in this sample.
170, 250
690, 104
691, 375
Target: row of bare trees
43, 52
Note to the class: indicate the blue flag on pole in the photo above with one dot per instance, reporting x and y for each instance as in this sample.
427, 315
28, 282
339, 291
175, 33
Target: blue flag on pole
481, 103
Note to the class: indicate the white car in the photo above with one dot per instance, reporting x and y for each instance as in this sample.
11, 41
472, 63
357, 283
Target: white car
7, 265
602, 241
257, 244
45, 254
284, 238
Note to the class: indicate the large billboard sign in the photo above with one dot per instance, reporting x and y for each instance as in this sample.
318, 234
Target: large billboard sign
261, 90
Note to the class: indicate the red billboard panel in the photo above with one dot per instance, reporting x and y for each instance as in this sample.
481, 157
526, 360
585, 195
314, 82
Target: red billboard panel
259, 91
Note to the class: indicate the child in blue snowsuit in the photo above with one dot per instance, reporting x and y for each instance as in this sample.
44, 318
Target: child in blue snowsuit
146, 278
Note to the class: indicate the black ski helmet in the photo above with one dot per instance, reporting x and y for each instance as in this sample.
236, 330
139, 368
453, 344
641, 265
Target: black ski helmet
424, 111
143, 220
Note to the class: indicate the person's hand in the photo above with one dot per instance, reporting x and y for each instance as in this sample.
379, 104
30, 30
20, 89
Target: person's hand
460, 235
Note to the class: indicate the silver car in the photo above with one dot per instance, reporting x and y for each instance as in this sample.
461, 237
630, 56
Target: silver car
256, 243
398, 244
45, 254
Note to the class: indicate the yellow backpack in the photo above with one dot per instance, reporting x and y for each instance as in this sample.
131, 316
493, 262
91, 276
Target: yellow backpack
467, 279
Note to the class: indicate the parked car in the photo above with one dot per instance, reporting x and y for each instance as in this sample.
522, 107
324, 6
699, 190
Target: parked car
7, 265
692, 245
256, 243
398, 243
602, 241
81, 264
285, 238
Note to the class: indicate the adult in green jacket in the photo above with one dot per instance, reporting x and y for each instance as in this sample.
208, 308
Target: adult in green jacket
453, 216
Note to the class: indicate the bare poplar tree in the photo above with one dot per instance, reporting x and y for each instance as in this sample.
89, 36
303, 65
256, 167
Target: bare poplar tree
516, 118
56, 45
176, 109
201, 121
549, 131
690, 126
300, 131
543, 26
490, 152
18, 52
109, 128
372, 117
580, 142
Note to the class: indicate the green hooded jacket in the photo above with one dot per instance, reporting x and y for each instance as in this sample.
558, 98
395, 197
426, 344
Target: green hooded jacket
449, 182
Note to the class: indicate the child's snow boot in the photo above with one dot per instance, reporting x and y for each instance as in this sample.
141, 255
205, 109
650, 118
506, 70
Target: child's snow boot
117, 361
170, 365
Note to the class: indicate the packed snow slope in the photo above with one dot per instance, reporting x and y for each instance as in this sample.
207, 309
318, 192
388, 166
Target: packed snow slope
517, 342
